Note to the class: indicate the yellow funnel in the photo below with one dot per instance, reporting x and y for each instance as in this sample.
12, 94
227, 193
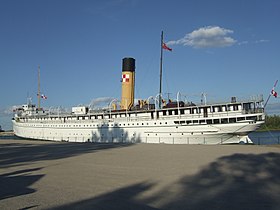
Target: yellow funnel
128, 78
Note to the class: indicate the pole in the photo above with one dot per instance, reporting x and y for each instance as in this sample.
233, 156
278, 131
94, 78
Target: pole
160, 72
39, 93
275, 84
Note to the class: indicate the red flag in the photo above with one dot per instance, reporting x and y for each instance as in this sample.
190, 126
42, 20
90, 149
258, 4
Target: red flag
164, 46
274, 93
44, 96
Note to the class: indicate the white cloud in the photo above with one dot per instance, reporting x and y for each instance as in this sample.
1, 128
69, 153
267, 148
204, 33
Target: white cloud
253, 42
261, 41
8, 110
243, 43
206, 37
100, 101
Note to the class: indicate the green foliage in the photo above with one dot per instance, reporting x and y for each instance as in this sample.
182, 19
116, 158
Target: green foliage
271, 123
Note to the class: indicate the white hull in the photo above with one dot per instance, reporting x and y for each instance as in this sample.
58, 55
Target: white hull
149, 131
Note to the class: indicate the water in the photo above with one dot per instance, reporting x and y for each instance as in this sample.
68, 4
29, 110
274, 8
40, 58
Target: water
265, 137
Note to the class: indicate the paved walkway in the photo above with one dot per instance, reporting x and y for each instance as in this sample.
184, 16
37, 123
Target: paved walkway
44, 175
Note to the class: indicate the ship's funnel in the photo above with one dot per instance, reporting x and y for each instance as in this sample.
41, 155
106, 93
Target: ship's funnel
128, 76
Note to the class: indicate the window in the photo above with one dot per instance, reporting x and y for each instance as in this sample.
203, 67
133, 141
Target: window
232, 120
216, 121
254, 118
240, 118
224, 120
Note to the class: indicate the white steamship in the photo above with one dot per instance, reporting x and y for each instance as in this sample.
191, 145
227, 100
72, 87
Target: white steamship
175, 122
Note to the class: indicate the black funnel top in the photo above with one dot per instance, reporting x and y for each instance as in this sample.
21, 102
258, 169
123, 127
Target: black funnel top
128, 64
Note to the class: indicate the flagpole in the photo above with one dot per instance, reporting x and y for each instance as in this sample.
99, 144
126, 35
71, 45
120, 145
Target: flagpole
39, 94
275, 84
160, 71
267, 100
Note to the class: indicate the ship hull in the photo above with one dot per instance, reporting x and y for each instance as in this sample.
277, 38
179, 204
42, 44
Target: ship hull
145, 132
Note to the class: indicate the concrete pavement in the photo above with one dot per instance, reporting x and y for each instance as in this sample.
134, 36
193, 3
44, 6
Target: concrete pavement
58, 175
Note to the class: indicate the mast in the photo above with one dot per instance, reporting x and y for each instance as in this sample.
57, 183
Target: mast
160, 71
39, 93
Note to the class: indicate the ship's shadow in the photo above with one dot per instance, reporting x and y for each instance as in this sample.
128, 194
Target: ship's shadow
239, 181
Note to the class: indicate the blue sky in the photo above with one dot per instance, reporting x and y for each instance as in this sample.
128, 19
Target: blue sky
224, 48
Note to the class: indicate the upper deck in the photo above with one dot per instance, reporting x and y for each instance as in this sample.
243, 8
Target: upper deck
210, 114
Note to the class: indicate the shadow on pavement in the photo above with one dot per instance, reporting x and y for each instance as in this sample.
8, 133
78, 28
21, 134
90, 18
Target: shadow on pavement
119, 199
19, 153
18, 183
239, 181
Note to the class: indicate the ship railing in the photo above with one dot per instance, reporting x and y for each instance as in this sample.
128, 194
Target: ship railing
64, 119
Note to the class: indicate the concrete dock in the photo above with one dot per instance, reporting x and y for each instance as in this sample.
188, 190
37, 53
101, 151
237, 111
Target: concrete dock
57, 175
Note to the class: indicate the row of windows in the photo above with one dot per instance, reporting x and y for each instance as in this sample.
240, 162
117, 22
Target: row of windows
95, 125
216, 121
188, 122
155, 134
